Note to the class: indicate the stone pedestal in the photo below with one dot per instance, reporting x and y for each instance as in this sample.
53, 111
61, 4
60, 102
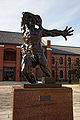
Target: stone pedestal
42, 104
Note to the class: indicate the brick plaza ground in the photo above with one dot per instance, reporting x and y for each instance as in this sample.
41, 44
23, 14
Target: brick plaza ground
6, 100
76, 100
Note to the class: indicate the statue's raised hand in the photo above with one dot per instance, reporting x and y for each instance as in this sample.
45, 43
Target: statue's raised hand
67, 32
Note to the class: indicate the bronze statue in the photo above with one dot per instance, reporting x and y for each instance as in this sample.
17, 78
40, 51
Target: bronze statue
32, 51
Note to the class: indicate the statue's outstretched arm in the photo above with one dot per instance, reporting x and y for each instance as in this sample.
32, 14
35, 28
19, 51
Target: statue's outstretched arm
54, 32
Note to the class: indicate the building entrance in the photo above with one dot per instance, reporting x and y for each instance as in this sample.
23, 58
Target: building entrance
9, 74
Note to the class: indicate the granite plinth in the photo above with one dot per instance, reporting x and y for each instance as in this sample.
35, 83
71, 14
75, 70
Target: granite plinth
42, 104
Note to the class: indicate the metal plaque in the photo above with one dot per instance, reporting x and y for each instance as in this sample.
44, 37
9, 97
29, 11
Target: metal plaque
45, 97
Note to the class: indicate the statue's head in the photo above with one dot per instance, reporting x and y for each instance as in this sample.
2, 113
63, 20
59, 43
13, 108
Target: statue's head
31, 19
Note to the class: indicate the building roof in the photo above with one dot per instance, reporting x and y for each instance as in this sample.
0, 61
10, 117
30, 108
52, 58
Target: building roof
12, 38
68, 50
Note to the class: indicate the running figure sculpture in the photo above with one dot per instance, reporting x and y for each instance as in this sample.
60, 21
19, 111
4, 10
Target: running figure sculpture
32, 51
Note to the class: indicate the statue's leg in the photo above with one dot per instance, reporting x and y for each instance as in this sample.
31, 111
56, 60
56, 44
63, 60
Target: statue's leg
27, 69
43, 65
30, 77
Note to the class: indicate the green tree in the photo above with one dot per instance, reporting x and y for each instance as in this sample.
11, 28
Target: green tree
76, 70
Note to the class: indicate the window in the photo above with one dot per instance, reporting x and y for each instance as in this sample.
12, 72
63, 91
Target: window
69, 75
9, 74
61, 60
77, 59
10, 55
53, 73
61, 73
69, 60
53, 60
20, 57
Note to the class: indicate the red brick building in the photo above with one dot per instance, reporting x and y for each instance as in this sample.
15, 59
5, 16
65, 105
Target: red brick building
63, 60
10, 56
60, 59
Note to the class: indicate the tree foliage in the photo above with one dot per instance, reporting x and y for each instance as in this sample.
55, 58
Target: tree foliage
76, 70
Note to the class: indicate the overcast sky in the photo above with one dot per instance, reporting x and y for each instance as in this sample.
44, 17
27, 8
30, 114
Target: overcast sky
56, 14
